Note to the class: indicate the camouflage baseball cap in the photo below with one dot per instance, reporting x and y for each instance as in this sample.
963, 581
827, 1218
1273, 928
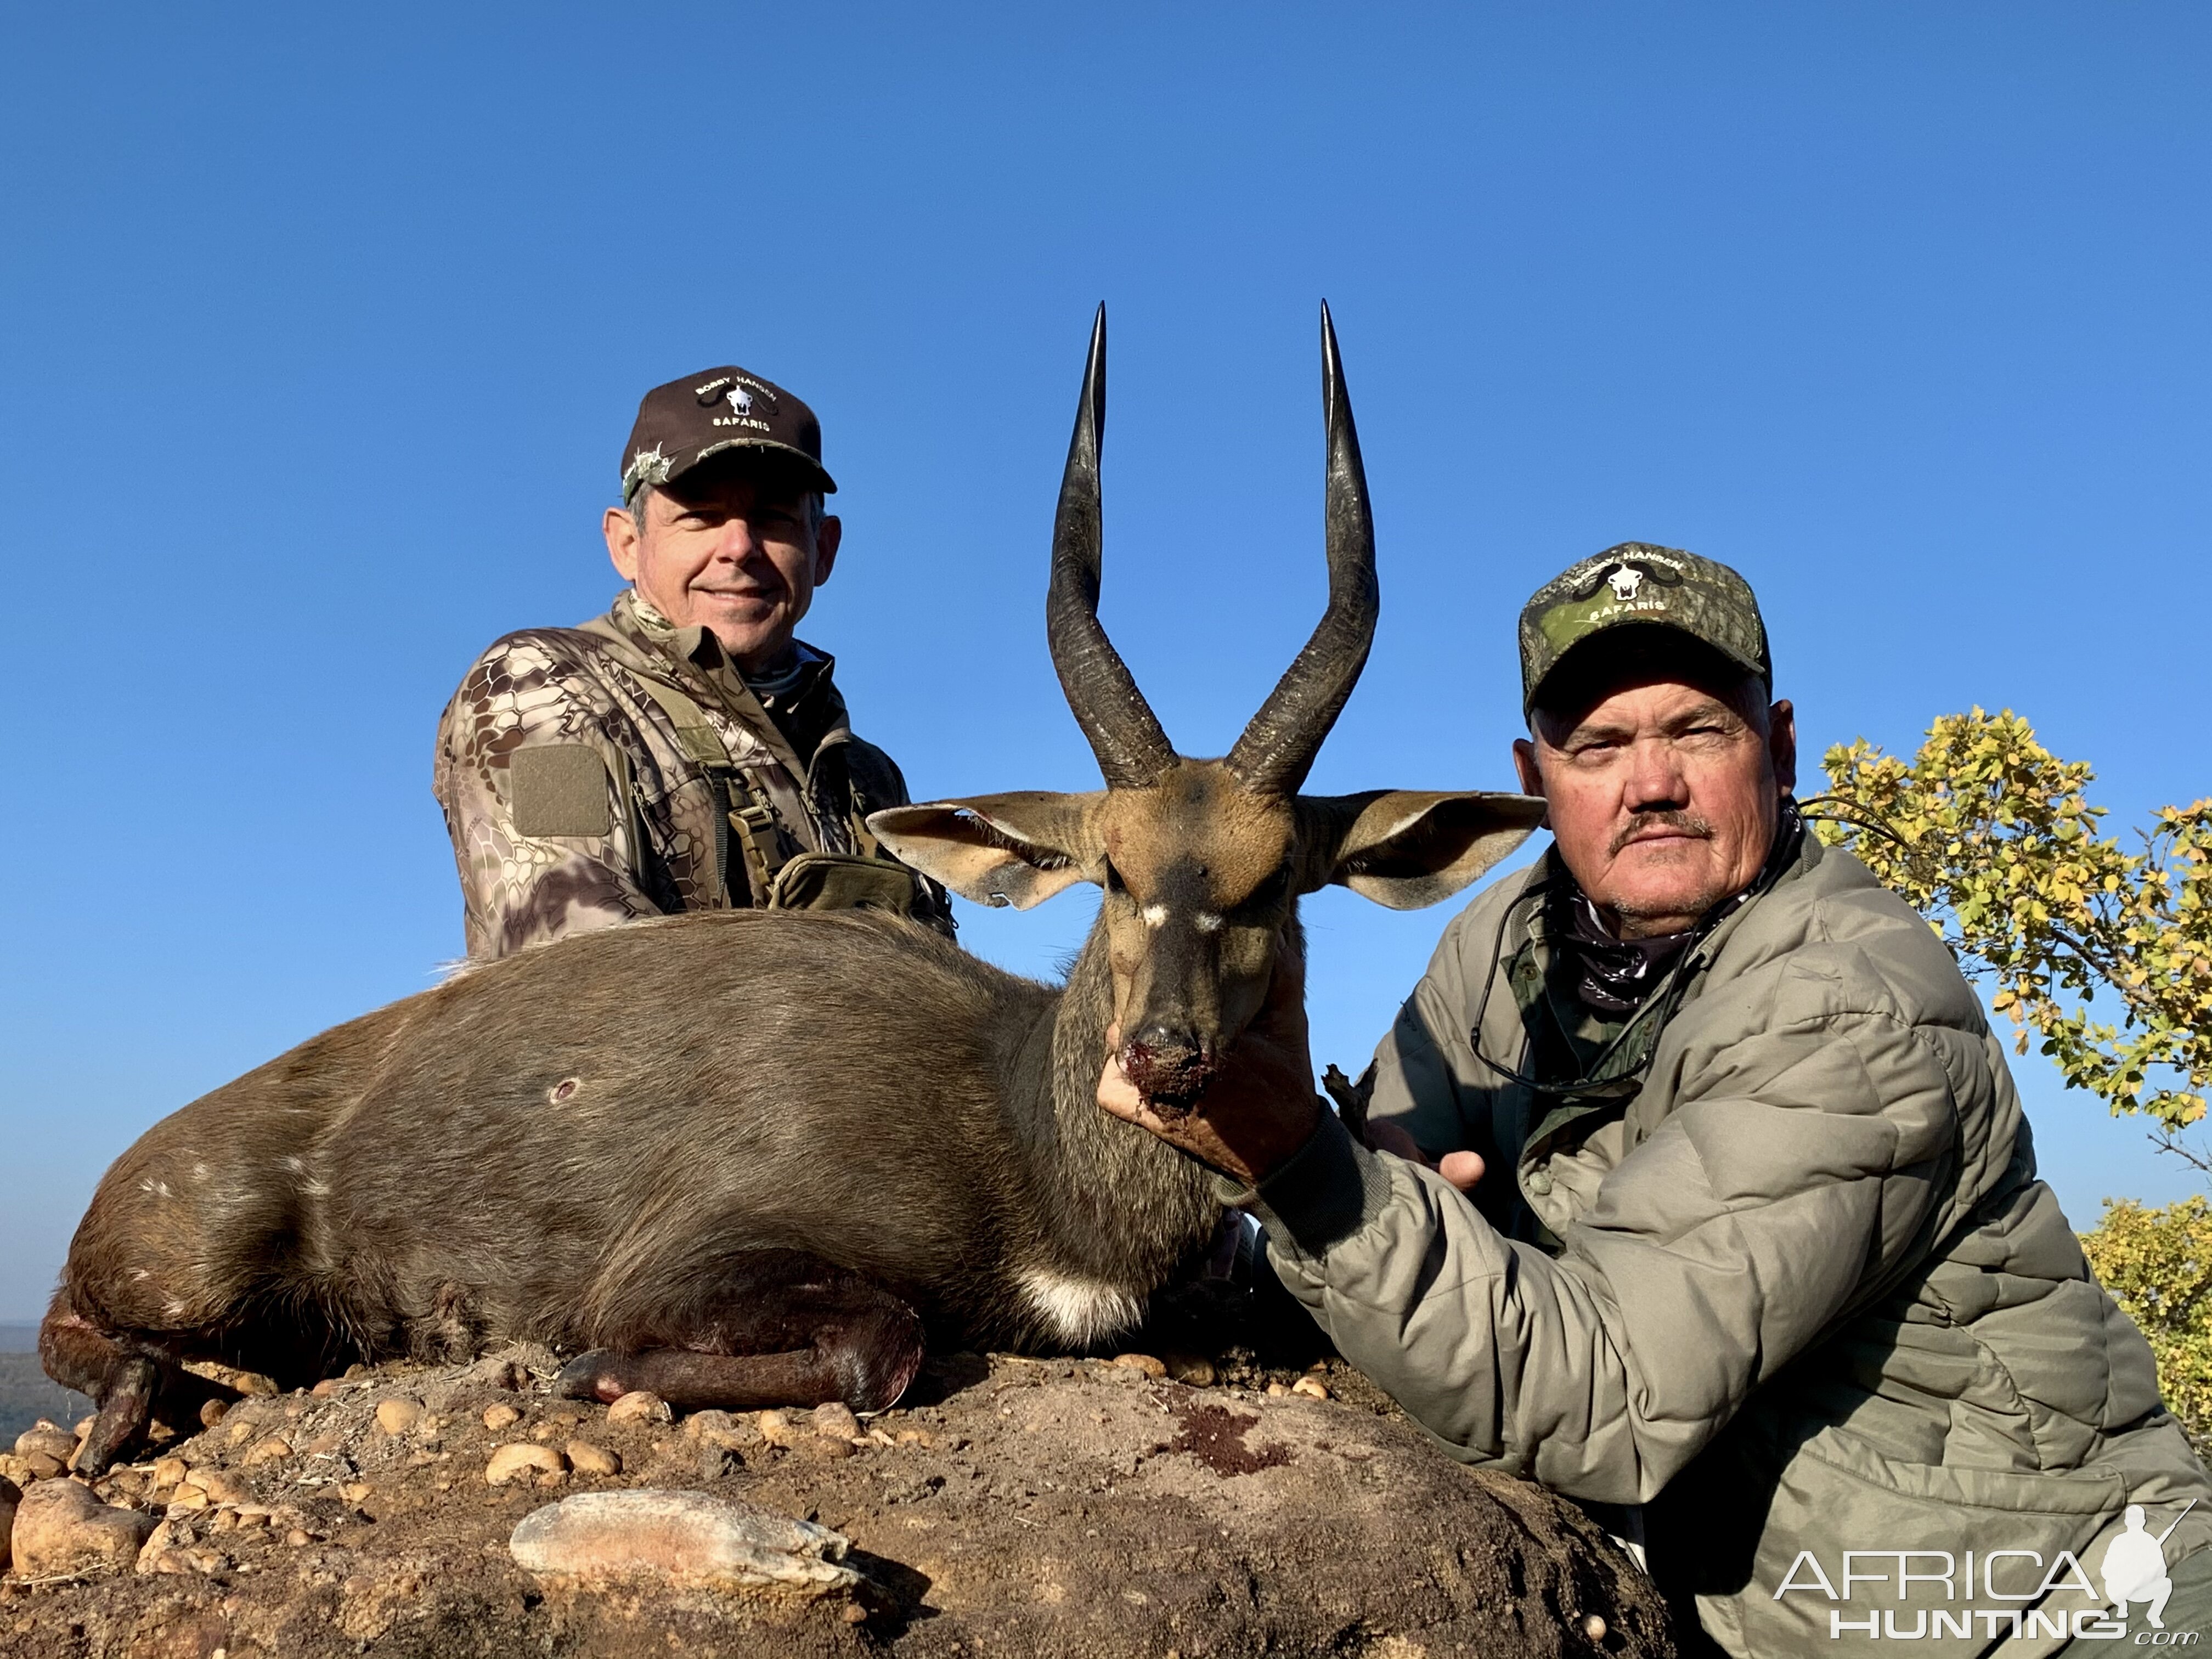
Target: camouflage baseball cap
1638, 583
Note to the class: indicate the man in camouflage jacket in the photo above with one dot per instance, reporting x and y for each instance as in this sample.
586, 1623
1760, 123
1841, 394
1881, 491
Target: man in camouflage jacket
685, 750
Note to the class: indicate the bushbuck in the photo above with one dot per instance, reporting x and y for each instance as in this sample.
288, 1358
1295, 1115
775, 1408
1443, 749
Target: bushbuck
753, 1158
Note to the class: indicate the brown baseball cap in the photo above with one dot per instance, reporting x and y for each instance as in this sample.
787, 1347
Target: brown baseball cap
685, 422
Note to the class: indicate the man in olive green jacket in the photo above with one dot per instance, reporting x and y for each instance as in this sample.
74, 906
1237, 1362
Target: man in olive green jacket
1717, 1208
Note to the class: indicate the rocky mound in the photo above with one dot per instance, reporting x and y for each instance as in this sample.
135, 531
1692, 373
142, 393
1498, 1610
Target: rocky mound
1008, 1507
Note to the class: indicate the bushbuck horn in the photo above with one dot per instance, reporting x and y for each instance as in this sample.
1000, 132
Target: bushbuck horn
1278, 748
1124, 734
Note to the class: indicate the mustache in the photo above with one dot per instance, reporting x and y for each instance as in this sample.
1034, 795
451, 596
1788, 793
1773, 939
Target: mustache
1681, 822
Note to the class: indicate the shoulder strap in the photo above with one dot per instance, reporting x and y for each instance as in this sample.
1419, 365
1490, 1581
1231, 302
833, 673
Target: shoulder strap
738, 810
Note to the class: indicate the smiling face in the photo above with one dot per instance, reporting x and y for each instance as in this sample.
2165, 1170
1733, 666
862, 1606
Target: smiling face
730, 548
1664, 781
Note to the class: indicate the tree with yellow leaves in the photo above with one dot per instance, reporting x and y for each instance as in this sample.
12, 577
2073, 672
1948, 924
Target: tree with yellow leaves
1990, 836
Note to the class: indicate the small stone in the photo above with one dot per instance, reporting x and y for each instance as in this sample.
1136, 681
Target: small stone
44, 1465
1143, 1362
212, 1412
170, 1472
586, 1459
494, 1373
681, 1540
84, 1429
915, 1438
1594, 1628
222, 1486
1276, 1391
398, 1415
240, 1433
496, 1417
189, 1499
718, 1462
250, 1516
835, 1420
274, 1450
825, 1448
13, 1469
323, 1390
60, 1528
720, 1429
355, 1491
519, 1460
1311, 1387
1193, 1370
775, 1429
299, 1538
640, 1405
46, 1439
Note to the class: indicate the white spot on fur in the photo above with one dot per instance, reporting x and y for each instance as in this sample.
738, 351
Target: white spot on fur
174, 1310
139, 1274
297, 1166
199, 1172
162, 1188
316, 1189
146, 1185
1155, 915
1080, 1311
1207, 921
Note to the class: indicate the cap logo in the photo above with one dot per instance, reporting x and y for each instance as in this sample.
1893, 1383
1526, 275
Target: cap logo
739, 400
1624, 581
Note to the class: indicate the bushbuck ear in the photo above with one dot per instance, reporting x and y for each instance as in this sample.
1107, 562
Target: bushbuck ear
1017, 849
1408, 847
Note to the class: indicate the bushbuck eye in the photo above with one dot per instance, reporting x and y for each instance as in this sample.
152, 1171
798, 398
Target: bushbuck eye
1268, 895
1114, 883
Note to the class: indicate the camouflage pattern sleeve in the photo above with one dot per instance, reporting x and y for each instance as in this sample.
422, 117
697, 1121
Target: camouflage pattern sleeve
538, 799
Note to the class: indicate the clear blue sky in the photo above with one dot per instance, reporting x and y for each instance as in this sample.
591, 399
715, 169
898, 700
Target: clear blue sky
324, 326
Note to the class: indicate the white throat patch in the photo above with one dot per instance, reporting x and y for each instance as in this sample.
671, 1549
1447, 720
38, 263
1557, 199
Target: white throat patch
1079, 1312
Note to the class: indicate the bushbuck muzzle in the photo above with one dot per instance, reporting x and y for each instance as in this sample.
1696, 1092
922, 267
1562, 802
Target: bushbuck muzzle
1202, 862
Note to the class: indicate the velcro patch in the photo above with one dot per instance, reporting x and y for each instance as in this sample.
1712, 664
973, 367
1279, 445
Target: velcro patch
559, 789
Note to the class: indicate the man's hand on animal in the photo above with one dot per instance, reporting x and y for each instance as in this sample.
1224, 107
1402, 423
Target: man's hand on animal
1257, 1109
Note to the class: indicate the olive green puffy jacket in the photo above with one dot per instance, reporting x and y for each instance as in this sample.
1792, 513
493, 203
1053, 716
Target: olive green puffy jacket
1809, 1296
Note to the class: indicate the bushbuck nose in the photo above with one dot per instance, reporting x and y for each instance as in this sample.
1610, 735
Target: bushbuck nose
1171, 1068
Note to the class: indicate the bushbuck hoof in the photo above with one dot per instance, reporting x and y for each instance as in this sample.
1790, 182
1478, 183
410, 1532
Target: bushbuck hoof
126, 1407
594, 1375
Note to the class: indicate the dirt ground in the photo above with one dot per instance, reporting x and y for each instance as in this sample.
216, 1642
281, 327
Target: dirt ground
1019, 1508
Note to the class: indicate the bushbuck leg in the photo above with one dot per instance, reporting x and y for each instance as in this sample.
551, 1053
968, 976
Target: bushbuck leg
772, 1328
131, 1386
